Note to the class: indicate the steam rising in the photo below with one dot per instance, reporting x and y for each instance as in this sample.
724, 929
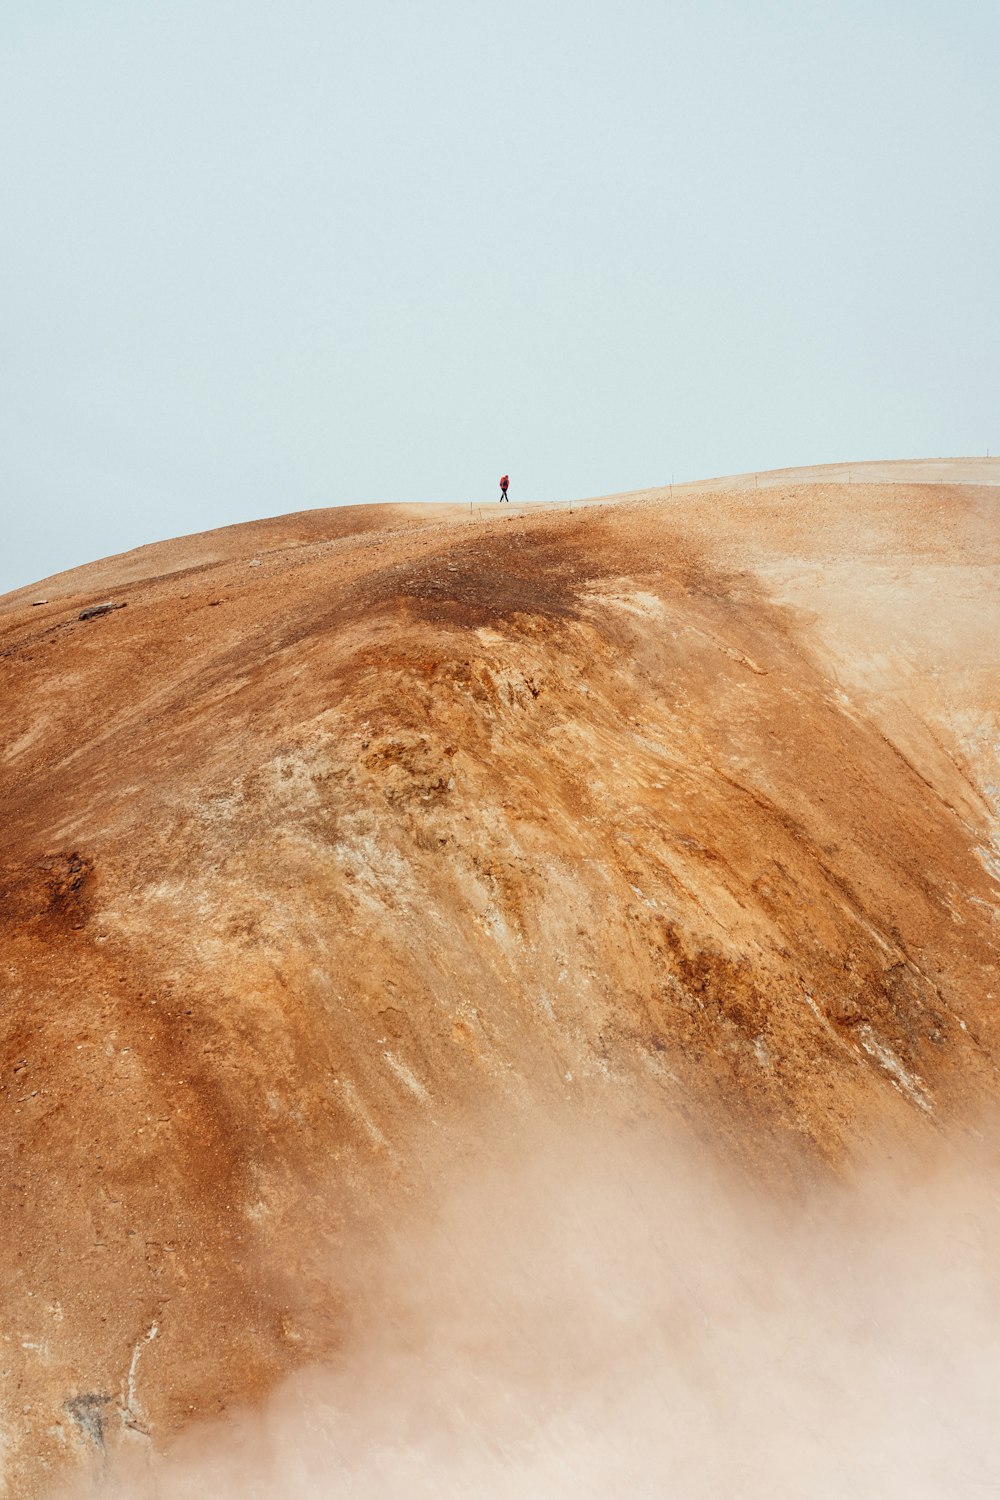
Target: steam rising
607, 1320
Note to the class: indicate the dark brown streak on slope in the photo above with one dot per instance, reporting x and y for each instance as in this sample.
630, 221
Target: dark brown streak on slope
934, 791
479, 584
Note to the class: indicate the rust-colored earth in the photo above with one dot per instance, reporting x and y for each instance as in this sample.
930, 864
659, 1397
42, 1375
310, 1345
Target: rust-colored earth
356, 829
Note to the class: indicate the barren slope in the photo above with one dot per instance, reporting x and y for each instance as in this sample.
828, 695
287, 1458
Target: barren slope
358, 826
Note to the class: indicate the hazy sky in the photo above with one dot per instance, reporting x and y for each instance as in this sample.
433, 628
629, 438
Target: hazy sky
257, 257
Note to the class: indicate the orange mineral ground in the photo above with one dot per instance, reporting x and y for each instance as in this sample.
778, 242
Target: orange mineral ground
350, 843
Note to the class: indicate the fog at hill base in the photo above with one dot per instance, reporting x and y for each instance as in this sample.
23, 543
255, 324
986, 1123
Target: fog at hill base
611, 1317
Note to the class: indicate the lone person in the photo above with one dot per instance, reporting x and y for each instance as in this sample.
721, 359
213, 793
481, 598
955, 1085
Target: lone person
504, 482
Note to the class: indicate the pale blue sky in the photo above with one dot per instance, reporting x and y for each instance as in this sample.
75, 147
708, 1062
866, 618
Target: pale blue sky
257, 257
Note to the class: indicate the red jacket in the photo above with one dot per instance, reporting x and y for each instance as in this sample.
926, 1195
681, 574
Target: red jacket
504, 482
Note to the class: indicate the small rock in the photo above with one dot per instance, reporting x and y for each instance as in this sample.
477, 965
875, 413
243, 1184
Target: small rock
101, 609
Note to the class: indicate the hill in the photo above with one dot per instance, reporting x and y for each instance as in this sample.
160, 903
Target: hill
350, 838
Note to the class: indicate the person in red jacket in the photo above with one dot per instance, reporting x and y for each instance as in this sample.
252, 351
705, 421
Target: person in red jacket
503, 489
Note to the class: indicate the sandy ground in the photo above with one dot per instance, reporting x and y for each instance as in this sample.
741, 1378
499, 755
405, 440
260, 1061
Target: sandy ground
357, 827
975, 471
